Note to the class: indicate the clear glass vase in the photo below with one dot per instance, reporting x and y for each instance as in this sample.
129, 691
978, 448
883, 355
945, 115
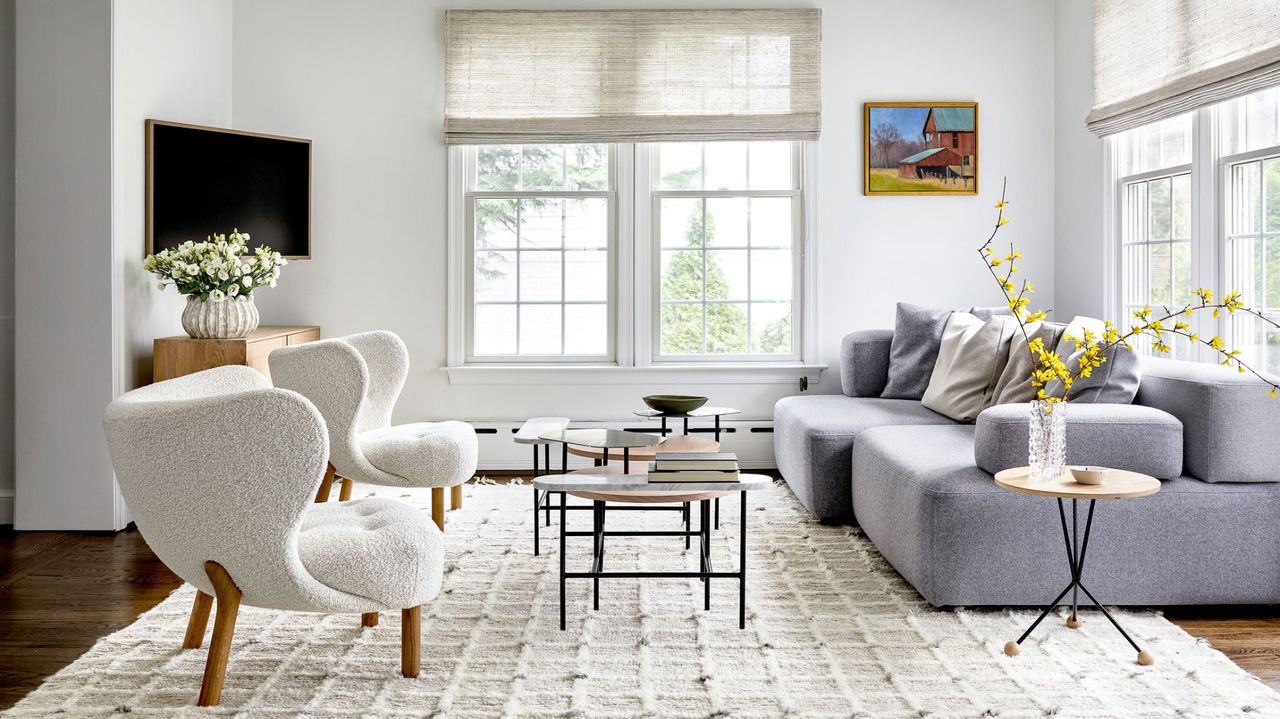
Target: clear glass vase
1047, 445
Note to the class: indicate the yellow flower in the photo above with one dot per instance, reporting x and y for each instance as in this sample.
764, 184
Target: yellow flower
1216, 343
1272, 393
1000, 204
1004, 220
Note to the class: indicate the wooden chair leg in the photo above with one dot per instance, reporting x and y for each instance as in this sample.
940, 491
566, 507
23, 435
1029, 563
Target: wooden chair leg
455, 497
437, 506
410, 641
344, 494
326, 484
369, 619
198, 621
224, 626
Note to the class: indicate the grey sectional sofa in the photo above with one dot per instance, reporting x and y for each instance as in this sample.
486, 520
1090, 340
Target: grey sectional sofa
921, 487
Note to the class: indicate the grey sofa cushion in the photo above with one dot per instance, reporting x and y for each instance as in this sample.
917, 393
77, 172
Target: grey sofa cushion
1122, 436
962, 541
864, 362
812, 436
917, 334
1231, 428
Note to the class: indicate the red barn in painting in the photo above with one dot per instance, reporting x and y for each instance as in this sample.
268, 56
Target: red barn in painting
951, 142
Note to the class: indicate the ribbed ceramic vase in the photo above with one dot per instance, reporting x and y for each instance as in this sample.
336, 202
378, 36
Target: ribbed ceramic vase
228, 319
1047, 441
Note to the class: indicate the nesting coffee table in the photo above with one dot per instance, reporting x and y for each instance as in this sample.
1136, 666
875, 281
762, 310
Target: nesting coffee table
636, 488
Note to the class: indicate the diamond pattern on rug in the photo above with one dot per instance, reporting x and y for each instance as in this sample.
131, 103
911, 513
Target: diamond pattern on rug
832, 631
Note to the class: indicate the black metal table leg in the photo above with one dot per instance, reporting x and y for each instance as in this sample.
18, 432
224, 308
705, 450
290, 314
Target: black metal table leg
626, 460
686, 525
742, 566
1077, 547
717, 429
717, 512
686, 424
546, 457
537, 497
596, 540
564, 458
563, 529
704, 527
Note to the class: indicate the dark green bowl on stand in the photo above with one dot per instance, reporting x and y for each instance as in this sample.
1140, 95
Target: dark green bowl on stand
674, 403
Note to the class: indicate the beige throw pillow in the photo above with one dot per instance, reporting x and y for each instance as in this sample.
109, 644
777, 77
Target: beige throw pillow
972, 356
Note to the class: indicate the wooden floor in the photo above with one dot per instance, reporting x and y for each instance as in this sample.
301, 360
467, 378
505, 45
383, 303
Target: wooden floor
61, 591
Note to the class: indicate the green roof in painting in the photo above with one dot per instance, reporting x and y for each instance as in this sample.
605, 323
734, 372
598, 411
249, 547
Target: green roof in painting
921, 155
952, 119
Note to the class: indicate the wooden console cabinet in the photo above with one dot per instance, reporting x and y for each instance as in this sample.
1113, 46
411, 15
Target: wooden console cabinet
182, 355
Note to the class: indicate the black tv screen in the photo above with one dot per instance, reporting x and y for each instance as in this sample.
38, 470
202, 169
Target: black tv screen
204, 180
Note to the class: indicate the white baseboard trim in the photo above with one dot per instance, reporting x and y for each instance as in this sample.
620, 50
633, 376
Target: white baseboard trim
6, 506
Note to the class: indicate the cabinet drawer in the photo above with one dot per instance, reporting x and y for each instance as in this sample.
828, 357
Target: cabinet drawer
298, 338
256, 353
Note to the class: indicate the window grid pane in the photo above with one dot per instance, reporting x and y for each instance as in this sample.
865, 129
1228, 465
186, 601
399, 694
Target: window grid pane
1156, 249
1253, 237
541, 258
726, 262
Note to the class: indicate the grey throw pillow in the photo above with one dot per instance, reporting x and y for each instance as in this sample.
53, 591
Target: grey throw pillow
1115, 382
917, 335
1014, 384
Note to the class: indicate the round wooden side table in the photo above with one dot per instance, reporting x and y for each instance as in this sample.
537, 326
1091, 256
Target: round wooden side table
1119, 484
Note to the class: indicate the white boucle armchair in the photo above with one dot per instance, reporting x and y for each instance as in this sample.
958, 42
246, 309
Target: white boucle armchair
219, 470
354, 381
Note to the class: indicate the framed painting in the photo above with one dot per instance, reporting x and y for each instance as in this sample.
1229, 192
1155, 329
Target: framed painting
920, 148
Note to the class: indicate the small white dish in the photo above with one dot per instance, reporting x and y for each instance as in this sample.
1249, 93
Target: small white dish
1090, 475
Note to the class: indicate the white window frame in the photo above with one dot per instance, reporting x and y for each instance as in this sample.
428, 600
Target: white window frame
633, 341
1210, 248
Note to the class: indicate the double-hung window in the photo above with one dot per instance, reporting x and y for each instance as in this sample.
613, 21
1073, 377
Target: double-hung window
1249, 138
1198, 205
630, 254
1155, 223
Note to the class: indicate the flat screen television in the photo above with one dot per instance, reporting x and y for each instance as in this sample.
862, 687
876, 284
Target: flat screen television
202, 180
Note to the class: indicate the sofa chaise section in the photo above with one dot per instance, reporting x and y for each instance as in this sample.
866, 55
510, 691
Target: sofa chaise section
963, 541
812, 438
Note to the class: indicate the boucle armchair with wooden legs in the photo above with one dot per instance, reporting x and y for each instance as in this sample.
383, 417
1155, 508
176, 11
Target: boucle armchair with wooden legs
354, 381
219, 470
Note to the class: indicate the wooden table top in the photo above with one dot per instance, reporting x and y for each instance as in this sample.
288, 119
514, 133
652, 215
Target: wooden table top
678, 443
1119, 484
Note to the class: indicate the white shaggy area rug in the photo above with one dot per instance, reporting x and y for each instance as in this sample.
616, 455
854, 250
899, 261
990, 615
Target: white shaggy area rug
832, 631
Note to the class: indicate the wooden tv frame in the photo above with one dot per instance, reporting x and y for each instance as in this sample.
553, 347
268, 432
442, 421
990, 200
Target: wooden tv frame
151, 124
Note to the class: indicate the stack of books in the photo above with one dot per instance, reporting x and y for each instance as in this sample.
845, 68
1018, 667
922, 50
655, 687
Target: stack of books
694, 467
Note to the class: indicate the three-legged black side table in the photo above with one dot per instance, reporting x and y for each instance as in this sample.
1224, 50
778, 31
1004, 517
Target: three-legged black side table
1119, 484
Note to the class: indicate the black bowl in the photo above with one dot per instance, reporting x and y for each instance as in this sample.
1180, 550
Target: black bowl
674, 403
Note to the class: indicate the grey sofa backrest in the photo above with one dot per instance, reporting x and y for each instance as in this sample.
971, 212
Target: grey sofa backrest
1231, 428
864, 362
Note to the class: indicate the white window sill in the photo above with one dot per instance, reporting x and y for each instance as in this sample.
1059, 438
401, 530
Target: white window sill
700, 374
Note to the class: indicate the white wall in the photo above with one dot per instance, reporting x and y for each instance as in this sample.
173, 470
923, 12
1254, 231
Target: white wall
6, 260
1078, 190
171, 61
89, 72
63, 352
364, 81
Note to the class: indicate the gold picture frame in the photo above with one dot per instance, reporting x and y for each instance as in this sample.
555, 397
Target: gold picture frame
910, 148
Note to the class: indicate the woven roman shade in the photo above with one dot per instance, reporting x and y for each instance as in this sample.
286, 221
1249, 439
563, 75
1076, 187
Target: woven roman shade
521, 76
1154, 59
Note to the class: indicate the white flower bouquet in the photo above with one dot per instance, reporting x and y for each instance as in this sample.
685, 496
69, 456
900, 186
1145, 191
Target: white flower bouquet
217, 269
